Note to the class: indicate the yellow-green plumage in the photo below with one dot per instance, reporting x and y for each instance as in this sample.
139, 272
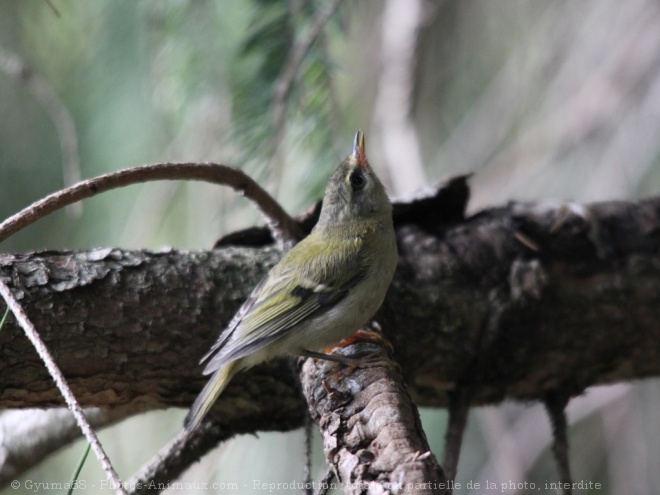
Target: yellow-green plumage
210, 393
323, 290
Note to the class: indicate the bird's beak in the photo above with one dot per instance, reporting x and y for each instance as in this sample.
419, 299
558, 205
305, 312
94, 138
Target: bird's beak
358, 149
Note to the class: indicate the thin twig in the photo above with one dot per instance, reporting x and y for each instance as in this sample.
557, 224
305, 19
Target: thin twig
555, 405
285, 81
53, 8
173, 459
335, 121
325, 484
16, 67
74, 406
297, 54
308, 490
459, 407
281, 225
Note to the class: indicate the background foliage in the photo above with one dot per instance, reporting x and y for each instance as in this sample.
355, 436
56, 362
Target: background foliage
542, 100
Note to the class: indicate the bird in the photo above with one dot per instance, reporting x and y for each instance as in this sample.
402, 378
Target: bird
321, 291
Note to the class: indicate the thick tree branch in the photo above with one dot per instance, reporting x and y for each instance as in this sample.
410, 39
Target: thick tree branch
31, 333
575, 304
372, 434
266, 398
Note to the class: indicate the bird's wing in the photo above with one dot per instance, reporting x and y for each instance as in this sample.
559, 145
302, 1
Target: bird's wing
311, 280
242, 311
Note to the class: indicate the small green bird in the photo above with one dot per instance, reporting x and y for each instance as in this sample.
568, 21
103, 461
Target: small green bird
323, 290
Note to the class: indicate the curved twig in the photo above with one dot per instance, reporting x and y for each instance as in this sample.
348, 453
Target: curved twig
16, 67
282, 226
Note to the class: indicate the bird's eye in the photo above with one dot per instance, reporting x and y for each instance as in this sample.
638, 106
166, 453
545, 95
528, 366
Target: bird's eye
357, 181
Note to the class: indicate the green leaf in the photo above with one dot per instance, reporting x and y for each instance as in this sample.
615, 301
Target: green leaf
4, 318
81, 463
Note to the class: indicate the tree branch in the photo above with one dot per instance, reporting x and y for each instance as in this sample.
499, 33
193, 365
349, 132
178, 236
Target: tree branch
556, 408
470, 304
459, 408
282, 226
287, 77
16, 67
184, 449
73, 405
372, 434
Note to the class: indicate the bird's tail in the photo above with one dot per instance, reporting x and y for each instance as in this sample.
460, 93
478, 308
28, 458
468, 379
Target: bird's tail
209, 394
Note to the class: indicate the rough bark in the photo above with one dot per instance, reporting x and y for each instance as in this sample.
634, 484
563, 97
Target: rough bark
515, 302
372, 434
